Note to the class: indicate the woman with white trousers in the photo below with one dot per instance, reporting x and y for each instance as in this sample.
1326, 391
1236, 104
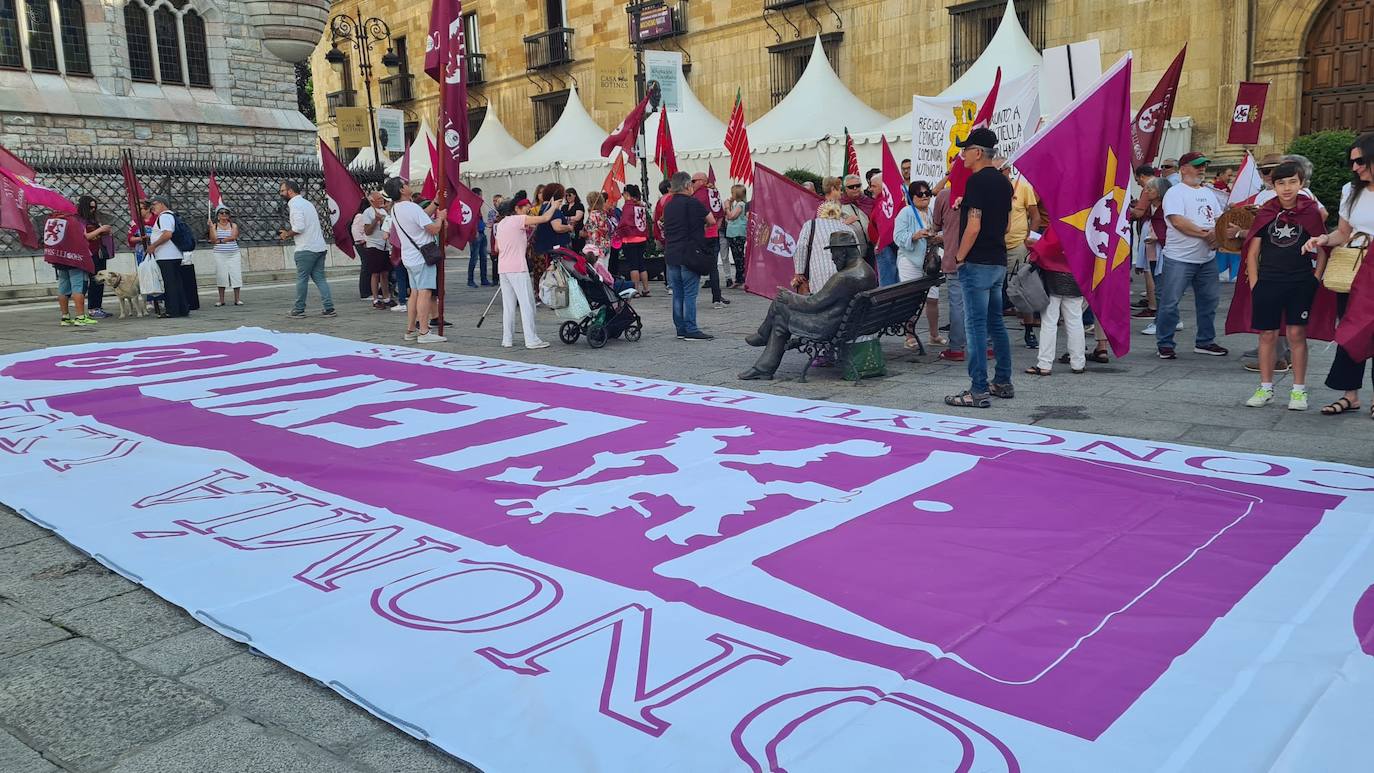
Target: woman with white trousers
1066, 300
509, 243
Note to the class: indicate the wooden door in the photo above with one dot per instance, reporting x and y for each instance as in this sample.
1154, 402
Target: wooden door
1338, 86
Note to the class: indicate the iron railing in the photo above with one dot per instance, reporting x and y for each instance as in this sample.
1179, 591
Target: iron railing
787, 62
477, 69
337, 99
548, 49
397, 89
973, 24
251, 190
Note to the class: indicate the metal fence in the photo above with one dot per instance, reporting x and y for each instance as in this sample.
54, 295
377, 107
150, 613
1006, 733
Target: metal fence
250, 189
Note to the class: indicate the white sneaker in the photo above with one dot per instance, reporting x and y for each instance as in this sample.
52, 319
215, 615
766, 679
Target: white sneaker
431, 338
401, 307
538, 345
411, 335
1260, 398
507, 345
1149, 330
1297, 400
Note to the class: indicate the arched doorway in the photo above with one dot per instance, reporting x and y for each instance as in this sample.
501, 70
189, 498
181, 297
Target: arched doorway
1338, 82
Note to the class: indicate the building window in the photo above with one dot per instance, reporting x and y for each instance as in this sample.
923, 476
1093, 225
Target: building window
547, 109
403, 54
472, 42
553, 12
171, 50
42, 46
787, 61
75, 53
972, 26
10, 54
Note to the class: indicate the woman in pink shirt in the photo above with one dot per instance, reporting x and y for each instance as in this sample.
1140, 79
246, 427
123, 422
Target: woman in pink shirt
508, 244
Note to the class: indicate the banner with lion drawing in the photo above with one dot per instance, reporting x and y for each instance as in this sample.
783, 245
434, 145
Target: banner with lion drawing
939, 122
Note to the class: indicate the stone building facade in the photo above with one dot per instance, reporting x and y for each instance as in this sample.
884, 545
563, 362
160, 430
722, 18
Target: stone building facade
888, 50
181, 76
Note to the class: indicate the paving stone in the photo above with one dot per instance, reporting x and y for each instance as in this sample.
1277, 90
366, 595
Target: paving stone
233, 744
85, 706
21, 632
15, 529
49, 577
395, 751
185, 652
16, 757
265, 690
127, 621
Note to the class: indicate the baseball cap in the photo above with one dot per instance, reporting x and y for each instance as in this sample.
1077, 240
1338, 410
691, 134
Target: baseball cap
983, 138
1193, 158
522, 203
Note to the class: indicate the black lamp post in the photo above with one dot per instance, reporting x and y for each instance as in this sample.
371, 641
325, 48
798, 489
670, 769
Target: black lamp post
363, 34
635, 10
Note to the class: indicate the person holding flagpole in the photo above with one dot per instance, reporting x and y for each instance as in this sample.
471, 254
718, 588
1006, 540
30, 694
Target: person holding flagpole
224, 238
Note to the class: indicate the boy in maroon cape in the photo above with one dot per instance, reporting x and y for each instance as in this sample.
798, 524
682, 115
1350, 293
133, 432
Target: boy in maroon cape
1282, 281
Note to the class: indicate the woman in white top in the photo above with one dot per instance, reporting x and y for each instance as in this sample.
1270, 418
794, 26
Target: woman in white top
816, 265
1357, 217
911, 233
224, 235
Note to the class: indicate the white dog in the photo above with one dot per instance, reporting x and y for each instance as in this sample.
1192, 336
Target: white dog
125, 287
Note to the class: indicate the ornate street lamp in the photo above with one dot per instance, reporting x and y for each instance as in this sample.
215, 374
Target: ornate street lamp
363, 35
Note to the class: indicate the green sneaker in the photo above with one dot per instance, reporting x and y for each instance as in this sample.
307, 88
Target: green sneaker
84, 321
1297, 400
67, 322
1260, 398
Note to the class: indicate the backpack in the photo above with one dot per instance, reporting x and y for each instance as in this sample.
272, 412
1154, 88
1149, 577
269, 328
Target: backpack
182, 236
1026, 289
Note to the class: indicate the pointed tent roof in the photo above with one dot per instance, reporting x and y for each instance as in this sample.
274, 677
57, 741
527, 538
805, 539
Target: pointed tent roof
1009, 49
493, 146
693, 126
574, 137
819, 104
365, 160
419, 154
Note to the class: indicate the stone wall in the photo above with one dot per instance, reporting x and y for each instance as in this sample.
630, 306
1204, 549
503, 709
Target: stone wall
80, 134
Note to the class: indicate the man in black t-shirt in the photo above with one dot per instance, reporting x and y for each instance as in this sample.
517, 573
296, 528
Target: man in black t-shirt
684, 229
982, 259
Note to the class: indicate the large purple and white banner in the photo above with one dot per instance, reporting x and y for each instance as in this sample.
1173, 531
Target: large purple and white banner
540, 568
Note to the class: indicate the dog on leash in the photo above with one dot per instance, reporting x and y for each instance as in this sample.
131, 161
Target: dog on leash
125, 287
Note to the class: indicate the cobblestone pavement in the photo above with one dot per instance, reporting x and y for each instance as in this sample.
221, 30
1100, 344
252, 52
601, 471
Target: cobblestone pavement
98, 674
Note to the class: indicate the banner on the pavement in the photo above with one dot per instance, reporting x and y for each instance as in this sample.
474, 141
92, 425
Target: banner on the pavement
542, 568
939, 122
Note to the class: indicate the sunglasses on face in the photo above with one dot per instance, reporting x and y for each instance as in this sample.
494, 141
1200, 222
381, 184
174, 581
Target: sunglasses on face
1361, 160
853, 187
1170, 166
922, 194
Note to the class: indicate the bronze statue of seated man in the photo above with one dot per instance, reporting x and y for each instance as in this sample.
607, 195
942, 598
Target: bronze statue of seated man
816, 316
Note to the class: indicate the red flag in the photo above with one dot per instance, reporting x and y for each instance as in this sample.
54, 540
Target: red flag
1247, 184
624, 135
710, 173
405, 164
779, 210
430, 189
463, 212
216, 200
343, 195
14, 212
1086, 190
36, 195
1249, 111
614, 183
65, 243
664, 155
851, 156
1147, 131
892, 198
445, 62
958, 173
737, 144
133, 194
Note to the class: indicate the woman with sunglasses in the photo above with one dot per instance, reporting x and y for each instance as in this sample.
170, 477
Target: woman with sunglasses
1356, 217
912, 235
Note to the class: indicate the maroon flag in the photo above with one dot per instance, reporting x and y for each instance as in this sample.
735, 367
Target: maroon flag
664, 155
1147, 131
779, 210
133, 195
343, 195
958, 173
429, 190
710, 173
36, 195
885, 209
851, 156
1086, 191
65, 243
445, 62
14, 212
737, 144
463, 212
624, 135
1249, 111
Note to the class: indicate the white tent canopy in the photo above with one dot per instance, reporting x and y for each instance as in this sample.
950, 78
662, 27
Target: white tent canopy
693, 126
493, 147
574, 137
818, 105
366, 160
419, 154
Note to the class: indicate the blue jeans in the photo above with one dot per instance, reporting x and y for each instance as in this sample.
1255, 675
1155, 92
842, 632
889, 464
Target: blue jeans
983, 321
400, 284
887, 265
310, 266
1178, 277
685, 285
477, 257
954, 291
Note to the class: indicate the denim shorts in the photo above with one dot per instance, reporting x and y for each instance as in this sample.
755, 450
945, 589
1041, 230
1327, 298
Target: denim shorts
70, 281
423, 277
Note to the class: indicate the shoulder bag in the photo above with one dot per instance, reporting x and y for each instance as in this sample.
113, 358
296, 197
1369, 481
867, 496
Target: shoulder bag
431, 251
801, 284
1344, 263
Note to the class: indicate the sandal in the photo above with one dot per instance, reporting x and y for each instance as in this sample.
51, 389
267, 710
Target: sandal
1004, 391
1035, 370
939, 341
1341, 405
217, 305
1098, 356
967, 399
912, 343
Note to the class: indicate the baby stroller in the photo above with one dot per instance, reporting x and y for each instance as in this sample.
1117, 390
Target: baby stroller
611, 315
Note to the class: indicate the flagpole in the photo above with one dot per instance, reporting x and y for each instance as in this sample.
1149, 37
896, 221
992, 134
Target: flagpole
441, 190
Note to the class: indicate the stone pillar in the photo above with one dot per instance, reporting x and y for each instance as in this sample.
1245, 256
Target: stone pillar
1283, 110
